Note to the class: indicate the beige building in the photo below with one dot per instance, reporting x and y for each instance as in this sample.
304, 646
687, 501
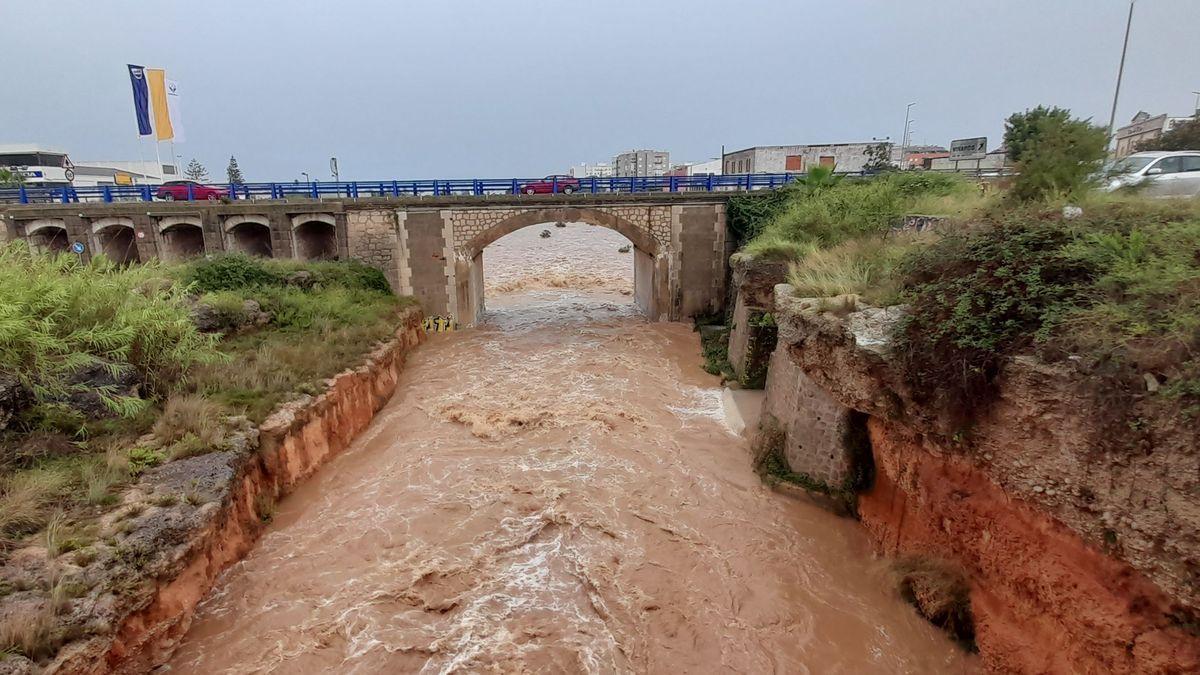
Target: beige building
1143, 128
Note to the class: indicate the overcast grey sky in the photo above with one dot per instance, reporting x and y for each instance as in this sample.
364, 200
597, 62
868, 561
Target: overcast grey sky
491, 88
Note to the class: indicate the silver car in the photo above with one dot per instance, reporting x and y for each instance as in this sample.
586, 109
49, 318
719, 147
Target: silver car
1159, 174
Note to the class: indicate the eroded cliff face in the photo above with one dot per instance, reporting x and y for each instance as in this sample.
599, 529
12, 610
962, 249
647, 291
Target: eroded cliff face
237, 492
1082, 553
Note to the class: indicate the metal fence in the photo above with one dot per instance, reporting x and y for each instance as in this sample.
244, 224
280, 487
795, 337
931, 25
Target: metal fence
32, 194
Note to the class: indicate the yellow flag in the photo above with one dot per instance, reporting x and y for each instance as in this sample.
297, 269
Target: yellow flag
156, 78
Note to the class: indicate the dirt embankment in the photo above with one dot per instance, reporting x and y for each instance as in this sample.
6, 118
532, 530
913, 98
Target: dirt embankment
181, 546
1082, 555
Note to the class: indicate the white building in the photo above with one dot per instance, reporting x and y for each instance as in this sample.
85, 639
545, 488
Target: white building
598, 170
850, 157
45, 166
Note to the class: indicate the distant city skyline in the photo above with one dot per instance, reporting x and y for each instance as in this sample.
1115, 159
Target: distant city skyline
459, 89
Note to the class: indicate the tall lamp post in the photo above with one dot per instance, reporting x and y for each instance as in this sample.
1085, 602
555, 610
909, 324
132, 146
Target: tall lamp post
904, 136
1112, 118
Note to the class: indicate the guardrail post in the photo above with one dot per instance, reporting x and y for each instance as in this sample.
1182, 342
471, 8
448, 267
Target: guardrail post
23, 195
674, 183
395, 189
354, 189
107, 192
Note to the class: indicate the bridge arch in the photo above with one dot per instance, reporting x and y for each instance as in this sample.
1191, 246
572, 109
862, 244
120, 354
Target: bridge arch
640, 238
47, 235
314, 236
116, 239
249, 234
181, 236
650, 264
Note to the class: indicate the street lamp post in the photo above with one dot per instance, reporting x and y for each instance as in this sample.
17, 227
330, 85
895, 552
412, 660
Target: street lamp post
904, 136
305, 174
1112, 118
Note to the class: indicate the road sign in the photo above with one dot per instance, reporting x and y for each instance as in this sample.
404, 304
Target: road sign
77, 247
69, 174
968, 148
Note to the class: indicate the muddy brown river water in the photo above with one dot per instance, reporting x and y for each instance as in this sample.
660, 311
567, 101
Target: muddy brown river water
557, 491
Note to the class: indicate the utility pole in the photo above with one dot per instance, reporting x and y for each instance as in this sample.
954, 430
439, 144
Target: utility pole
904, 136
1112, 119
333, 168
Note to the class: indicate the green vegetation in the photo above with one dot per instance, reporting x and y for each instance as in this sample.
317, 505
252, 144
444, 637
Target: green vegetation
1055, 154
1004, 274
1116, 287
58, 317
818, 213
108, 370
10, 178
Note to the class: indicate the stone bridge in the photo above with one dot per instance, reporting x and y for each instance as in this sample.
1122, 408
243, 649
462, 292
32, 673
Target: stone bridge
431, 247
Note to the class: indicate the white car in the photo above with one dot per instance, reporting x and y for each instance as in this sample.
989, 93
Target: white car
1160, 174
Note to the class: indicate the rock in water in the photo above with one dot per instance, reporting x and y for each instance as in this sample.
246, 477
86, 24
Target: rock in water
545, 234
560, 224
625, 249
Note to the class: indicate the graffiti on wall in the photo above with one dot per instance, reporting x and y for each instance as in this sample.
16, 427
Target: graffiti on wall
439, 324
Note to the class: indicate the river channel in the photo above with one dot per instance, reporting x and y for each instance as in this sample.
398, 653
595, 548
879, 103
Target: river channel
557, 490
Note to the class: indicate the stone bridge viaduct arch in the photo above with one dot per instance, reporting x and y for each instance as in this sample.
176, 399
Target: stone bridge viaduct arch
431, 248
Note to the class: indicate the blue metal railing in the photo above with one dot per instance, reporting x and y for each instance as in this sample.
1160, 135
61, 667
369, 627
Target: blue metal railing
33, 194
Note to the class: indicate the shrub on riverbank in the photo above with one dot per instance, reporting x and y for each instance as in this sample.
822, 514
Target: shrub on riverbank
1118, 287
69, 443
807, 220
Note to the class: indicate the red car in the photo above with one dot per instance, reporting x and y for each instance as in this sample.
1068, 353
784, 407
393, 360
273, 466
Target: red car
566, 185
177, 190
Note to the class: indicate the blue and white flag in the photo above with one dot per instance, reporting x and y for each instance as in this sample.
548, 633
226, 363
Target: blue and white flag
141, 99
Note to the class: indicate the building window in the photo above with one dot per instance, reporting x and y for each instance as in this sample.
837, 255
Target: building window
827, 160
793, 163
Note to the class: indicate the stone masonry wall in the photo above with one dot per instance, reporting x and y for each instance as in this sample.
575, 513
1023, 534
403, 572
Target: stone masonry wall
371, 237
816, 427
468, 224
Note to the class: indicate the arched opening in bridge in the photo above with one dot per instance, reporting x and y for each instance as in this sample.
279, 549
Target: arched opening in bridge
251, 238
49, 239
576, 256
183, 240
118, 243
316, 240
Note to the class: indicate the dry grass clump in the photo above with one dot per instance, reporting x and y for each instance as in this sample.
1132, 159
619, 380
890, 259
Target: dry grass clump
30, 634
940, 593
24, 498
865, 267
190, 420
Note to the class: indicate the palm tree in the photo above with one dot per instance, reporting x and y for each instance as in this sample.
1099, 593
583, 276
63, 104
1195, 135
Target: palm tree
819, 178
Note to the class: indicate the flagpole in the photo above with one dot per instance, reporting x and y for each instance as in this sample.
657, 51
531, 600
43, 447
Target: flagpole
158, 157
141, 158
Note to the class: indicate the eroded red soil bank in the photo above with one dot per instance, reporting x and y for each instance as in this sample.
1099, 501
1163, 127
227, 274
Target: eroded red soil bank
1079, 544
293, 443
1043, 600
